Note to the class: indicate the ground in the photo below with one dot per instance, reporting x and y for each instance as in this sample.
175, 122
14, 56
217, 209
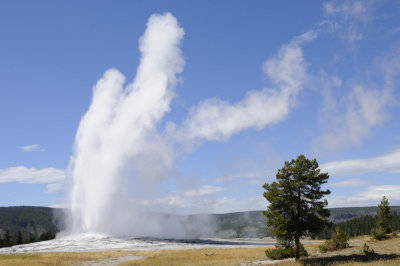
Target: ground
387, 253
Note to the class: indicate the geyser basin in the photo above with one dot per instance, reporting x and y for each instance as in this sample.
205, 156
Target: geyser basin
97, 242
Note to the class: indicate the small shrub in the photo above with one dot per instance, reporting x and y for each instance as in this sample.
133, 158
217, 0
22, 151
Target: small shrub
379, 234
323, 248
394, 234
367, 251
339, 241
282, 252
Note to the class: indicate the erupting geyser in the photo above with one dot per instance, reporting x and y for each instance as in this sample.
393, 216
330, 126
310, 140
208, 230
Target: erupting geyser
119, 130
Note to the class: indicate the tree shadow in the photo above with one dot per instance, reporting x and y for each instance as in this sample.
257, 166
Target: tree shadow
347, 258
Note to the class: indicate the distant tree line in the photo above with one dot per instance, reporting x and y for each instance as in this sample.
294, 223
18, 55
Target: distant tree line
360, 226
8, 240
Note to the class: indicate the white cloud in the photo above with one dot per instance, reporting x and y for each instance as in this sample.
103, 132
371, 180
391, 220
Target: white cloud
369, 197
249, 175
201, 191
348, 8
365, 109
216, 119
347, 17
388, 163
375, 193
22, 174
231, 204
347, 119
54, 188
33, 147
349, 183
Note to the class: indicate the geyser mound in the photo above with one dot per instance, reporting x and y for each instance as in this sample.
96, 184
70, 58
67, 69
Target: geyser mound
99, 242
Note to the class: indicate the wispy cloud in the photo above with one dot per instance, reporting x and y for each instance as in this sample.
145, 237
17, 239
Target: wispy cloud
347, 119
350, 183
388, 163
248, 175
376, 193
22, 174
368, 197
234, 204
33, 147
347, 17
216, 119
364, 109
55, 188
202, 190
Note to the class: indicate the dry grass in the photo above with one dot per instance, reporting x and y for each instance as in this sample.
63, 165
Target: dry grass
220, 256
59, 258
162, 257
387, 253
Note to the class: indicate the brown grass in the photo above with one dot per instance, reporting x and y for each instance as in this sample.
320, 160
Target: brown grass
58, 258
219, 256
387, 253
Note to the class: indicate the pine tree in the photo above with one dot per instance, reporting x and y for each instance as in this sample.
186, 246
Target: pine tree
384, 216
43, 236
296, 208
31, 238
19, 240
7, 239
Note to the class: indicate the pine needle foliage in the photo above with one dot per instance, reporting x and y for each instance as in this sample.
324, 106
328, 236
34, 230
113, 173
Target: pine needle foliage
296, 205
384, 215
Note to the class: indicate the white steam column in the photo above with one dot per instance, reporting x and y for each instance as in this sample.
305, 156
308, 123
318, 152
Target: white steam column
120, 127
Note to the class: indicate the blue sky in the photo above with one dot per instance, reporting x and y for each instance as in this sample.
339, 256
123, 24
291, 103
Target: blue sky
336, 65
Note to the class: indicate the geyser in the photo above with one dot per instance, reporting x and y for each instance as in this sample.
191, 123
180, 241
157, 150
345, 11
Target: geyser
117, 138
120, 153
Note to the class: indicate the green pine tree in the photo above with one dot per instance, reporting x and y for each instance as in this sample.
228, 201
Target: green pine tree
19, 239
296, 205
43, 237
31, 238
384, 216
7, 239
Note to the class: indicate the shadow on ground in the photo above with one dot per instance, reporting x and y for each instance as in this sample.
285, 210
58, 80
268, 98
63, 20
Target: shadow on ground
347, 258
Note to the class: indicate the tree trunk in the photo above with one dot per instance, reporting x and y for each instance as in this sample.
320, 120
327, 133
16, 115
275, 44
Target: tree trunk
297, 247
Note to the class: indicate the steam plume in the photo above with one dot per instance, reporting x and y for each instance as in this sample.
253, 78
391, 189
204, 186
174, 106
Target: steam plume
120, 127
117, 141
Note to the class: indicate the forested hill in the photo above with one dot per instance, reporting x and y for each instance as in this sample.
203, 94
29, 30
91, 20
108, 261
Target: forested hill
253, 223
37, 220
28, 219
344, 214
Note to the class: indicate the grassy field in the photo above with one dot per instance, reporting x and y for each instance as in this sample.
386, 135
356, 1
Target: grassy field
387, 253
233, 256
60, 258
